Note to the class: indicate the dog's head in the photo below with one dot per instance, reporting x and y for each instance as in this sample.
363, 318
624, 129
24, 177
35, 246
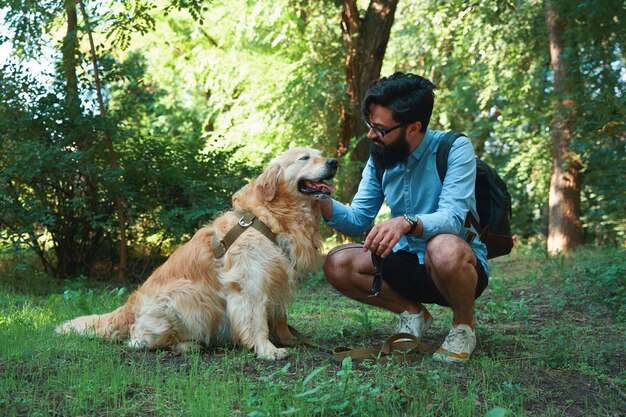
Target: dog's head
302, 171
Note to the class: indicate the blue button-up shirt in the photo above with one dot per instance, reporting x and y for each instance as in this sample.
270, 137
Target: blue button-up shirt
414, 188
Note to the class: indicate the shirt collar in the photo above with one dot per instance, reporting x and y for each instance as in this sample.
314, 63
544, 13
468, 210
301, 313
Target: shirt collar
423, 147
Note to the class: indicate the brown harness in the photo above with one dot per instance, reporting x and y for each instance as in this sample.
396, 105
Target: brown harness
247, 219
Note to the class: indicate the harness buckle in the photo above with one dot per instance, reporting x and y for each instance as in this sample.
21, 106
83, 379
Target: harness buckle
245, 224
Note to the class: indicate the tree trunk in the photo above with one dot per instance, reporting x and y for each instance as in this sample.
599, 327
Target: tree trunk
564, 227
119, 203
65, 264
366, 41
70, 61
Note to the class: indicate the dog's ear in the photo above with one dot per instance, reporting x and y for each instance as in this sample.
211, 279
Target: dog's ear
267, 182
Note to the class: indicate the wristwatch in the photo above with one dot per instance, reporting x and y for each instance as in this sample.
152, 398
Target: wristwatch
413, 222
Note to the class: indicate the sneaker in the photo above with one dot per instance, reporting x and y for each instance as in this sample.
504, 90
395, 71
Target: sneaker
458, 346
415, 324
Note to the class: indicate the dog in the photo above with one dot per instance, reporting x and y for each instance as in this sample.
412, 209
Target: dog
242, 296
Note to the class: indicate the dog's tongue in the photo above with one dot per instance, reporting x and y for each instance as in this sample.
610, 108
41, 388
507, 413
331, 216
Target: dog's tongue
323, 186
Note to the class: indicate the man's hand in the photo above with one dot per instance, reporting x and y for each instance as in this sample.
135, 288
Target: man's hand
326, 207
384, 236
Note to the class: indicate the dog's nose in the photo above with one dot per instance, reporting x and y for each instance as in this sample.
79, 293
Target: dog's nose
332, 163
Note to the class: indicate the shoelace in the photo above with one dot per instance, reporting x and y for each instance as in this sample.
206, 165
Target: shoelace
404, 322
451, 337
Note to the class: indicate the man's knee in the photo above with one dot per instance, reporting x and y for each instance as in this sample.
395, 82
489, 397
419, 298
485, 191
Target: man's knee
339, 262
448, 253
333, 265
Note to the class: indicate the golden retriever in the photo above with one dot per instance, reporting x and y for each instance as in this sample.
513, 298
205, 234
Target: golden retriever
241, 297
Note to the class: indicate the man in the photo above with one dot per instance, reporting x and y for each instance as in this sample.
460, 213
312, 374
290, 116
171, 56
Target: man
425, 255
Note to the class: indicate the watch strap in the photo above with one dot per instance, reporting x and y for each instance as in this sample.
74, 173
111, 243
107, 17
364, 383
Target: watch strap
412, 222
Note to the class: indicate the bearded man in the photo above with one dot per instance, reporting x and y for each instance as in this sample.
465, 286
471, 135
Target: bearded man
424, 252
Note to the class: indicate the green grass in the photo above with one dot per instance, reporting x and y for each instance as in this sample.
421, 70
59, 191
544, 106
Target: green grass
550, 343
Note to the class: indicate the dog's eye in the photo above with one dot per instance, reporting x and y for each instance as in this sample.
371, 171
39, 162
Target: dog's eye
304, 158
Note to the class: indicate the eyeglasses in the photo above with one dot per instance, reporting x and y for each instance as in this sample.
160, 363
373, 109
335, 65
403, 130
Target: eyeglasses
381, 133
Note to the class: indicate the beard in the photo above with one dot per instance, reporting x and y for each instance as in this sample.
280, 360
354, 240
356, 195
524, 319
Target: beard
392, 154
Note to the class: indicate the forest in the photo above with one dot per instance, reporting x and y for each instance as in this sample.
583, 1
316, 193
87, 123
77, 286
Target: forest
125, 125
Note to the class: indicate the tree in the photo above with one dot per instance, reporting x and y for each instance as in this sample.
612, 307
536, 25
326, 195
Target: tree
365, 39
565, 231
122, 268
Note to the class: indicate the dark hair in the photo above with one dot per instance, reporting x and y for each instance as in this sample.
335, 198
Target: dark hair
409, 97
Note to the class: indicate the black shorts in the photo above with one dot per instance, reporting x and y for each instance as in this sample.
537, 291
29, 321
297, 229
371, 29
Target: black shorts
404, 273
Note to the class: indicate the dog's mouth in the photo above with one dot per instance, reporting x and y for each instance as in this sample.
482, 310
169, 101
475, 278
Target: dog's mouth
316, 187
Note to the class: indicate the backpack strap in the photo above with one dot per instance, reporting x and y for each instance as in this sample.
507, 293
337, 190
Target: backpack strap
443, 151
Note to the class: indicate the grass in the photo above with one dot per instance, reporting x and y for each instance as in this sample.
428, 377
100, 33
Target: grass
550, 343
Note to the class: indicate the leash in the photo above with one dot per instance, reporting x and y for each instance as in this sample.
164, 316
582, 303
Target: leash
247, 219
400, 347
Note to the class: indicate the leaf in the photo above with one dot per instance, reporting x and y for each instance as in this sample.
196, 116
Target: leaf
312, 375
308, 392
496, 412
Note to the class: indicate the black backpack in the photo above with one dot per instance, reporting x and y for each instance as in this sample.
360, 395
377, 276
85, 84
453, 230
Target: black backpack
493, 201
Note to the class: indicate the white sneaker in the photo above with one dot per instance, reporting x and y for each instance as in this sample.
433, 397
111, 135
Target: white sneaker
415, 324
458, 346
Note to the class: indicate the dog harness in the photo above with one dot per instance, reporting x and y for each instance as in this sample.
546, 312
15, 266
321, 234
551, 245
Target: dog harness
247, 219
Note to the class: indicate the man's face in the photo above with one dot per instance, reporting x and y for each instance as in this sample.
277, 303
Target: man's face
393, 147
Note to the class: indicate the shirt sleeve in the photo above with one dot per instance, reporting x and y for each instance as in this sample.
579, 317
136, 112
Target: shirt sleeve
457, 194
356, 218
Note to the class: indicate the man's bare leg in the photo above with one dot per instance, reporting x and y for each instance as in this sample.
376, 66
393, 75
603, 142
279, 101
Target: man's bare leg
451, 263
351, 272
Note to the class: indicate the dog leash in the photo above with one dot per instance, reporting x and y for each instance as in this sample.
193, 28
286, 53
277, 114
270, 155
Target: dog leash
400, 347
247, 219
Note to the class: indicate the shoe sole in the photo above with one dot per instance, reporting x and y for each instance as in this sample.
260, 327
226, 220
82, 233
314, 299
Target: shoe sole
442, 355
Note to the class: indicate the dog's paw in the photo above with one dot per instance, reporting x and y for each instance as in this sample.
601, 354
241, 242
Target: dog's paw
274, 354
187, 347
137, 344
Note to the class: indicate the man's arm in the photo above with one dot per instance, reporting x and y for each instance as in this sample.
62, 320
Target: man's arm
356, 218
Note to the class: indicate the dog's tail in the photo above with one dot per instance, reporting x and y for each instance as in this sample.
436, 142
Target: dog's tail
113, 325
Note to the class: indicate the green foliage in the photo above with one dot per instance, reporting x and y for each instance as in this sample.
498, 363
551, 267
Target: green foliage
608, 285
494, 83
172, 185
268, 77
58, 188
200, 95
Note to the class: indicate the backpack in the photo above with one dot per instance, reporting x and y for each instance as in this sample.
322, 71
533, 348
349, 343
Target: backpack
493, 201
